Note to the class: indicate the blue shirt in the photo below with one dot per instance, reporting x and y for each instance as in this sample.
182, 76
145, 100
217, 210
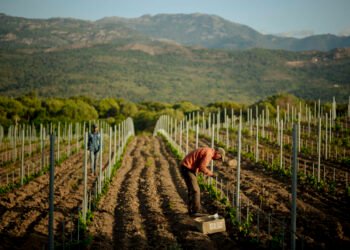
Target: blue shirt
94, 142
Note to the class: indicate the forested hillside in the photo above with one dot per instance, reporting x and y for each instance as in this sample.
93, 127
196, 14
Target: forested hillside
67, 57
165, 72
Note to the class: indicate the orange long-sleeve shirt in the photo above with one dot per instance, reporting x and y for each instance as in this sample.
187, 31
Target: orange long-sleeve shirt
199, 159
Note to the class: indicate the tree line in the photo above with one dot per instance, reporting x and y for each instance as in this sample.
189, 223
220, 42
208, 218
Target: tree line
32, 109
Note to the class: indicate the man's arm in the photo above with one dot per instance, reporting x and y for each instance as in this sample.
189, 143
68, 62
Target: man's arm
98, 141
203, 165
89, 141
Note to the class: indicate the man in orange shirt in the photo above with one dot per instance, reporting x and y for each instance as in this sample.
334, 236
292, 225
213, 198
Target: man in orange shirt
197, 161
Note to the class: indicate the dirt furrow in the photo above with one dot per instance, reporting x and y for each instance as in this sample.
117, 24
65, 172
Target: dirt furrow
104, 217
117, 222
138, 219
129, 230
175, 175
156, 225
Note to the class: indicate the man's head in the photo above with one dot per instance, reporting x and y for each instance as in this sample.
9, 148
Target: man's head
94, 127
219, 154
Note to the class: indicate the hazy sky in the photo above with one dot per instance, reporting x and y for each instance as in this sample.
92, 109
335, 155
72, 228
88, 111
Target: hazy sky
291, 17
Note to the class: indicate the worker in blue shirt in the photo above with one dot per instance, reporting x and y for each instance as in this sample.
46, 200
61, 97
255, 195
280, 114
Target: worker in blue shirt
94, 144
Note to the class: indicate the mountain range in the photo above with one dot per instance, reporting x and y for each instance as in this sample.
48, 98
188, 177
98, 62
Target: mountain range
167, 57
209, 31
212, 31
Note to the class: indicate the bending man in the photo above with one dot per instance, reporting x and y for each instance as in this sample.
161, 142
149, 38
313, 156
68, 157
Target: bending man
197, 161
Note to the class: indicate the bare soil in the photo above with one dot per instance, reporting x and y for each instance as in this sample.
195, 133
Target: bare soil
323, 220
24, 211
145, 207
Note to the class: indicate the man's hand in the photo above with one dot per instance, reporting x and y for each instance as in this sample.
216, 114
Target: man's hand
212, 175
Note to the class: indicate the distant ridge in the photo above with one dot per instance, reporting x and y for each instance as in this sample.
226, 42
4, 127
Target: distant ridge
200, 58
212, 31
209, 31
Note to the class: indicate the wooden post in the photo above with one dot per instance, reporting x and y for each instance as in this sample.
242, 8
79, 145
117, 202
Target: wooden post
227, 136
218, 127
51, 190
299, 129
77, 133
15, 144
171, 127
326, 134
330, 129
69, 137
349, 107
281, 145
257, 140
334, 109
263, 124
239, 165
197, 131
209, 124
85, 176
186, 137
203, 122
42, 146
180, 137
232, 117
110, 153
58, 141
22, 162
218, 120
294, 186
119, 141
115, 145
175, 130
212, 146
101, 162
30, 141
319, 151
225, 117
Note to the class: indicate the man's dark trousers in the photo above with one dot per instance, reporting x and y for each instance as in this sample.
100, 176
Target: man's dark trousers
194, 196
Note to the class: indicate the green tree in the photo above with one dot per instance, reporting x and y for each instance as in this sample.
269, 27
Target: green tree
176, 114
155, 106
129, 109
108, 107
78, 110
12, 109
31, 104
145, 120
186, 107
